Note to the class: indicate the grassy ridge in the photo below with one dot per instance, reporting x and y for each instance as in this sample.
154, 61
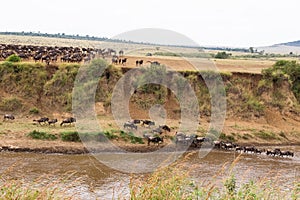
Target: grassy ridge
34, 87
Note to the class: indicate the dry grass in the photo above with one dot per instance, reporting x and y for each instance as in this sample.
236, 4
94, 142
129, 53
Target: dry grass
174, 182
44, 187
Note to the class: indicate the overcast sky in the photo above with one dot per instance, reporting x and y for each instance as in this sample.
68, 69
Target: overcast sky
236, 23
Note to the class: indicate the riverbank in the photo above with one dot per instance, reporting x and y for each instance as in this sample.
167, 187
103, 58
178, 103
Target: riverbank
58, 147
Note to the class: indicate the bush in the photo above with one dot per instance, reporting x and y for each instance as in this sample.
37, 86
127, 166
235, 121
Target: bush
34, 111
222, 55
131, 137
13, 58
70, 136
41, 135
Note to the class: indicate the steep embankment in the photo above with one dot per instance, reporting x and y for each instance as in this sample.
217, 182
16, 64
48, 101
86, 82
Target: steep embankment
259, 107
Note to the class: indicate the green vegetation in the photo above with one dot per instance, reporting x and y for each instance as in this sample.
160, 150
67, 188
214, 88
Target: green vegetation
34, 110
285, 70
41, 135
131, 137
225, 137
185, 55
13, 58
222, 55
266, 135
72, 136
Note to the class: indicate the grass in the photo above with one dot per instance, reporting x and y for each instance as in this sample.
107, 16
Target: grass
131, 138
41, 135
174, 182
72, 136
266, 135
45, 187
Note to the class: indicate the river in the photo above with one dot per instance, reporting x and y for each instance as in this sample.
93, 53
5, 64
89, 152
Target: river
94, 180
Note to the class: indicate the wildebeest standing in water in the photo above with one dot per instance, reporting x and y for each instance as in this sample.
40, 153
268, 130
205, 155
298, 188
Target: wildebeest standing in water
156, 140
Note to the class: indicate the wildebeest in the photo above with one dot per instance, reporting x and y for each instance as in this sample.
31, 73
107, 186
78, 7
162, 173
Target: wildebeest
155, 139
273, 152
136, 121
8, 116
114, 60
148, 123
123, 61
286, 153
139, 62
239, 148
249, 149
165, 127
130, 125
154, 63
52, 121
227, 145
69, 120
42, 120
259, 151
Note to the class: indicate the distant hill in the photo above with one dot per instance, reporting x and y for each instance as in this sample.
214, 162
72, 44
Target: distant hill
294, 44
282, 48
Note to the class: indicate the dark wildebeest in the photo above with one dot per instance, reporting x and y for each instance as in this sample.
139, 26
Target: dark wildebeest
123, 61
165, 127
53, 121
114, 60
130, 125
136, 121
8, 116
156, 139
154, 63
42, 120
227, 145
69, 120
139, 62
259, 151
273, 152
239, 148
286, 153
249, 149
148, 123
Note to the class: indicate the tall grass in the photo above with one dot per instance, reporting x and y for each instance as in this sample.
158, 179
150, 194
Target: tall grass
45, 187
175, 182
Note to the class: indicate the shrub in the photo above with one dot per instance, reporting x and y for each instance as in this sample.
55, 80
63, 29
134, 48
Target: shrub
72, 136
34, 110
13, 58
131, 137
222, 55
41, 135
265, 135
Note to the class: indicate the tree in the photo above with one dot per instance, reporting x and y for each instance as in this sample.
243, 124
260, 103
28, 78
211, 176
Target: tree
251, 49
222, 55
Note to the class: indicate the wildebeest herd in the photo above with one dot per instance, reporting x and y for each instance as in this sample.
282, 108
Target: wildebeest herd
193, 140
53, 54
155, 136
44, 120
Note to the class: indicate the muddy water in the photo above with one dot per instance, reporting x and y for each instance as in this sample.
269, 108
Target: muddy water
97, 181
